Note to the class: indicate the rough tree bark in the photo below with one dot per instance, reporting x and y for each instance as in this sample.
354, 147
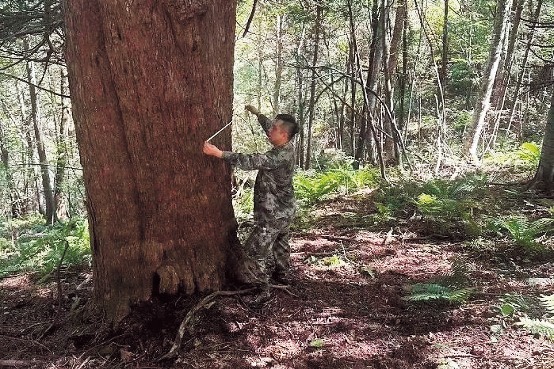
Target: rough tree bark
150, 81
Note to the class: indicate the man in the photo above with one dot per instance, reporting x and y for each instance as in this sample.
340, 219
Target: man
274, 205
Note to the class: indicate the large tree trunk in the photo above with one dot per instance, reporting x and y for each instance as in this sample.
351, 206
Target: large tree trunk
150, 81
544, 178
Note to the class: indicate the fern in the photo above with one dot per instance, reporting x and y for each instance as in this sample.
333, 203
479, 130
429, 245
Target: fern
538, 326
525, 232
548, 303
433, 291
543, 327
41, 248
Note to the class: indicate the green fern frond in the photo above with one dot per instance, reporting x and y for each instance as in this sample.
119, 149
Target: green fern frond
525, 232
548, 303
433, 291
538, 326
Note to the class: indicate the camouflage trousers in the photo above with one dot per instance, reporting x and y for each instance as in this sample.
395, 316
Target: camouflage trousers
267, 251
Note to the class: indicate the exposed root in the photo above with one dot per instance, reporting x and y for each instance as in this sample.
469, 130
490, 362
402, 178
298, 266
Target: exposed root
186, 325
206, 303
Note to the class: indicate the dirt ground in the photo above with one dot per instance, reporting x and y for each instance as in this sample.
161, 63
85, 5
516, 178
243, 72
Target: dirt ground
346, 308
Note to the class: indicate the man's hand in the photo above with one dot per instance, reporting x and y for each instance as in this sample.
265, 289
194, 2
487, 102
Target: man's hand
252, 109
212, 150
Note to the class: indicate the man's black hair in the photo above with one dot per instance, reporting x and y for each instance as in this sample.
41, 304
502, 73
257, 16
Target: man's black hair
289, 123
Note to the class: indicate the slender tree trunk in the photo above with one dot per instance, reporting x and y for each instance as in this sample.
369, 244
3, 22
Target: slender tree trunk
300, 97
482, 105
372, 80
444, 57
523, 63
48, 192
62, 153
342, 109
544, 178
278, 67
404, 76
5, 160
365, 93
391, 61
27, 158
150, 81
259, 45
505, 67
317, 30
353, 88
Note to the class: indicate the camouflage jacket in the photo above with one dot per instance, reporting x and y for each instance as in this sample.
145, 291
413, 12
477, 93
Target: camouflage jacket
273, 191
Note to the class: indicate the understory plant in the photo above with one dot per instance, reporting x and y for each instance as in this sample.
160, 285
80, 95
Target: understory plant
544, 325
312, 187
41, 248
441, 207
525, 233
437, 292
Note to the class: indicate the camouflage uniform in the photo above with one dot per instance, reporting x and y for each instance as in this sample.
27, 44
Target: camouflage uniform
274, 208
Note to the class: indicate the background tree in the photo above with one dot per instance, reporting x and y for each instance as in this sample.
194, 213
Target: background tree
544, 177
482, 105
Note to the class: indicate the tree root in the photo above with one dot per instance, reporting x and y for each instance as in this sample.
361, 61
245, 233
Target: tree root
185, 326
206, 303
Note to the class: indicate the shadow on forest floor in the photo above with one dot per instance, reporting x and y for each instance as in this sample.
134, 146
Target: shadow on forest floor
347, 308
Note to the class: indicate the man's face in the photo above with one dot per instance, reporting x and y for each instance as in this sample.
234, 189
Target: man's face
277, 134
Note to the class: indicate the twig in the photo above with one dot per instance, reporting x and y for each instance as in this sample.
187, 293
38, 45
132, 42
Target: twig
247, 26
283, 288
60, 292
19, 363
27, 340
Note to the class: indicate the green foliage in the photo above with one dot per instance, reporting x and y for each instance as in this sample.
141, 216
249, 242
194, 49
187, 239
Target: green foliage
434, 292
526, 157
511, 304
464, 78
538, 326
317, 343
516, 305
311, 187
524, 232
548, 303
327, 262
443, 207
40, 248
243, 202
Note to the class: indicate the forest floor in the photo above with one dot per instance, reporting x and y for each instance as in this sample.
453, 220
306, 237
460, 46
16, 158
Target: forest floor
346, 308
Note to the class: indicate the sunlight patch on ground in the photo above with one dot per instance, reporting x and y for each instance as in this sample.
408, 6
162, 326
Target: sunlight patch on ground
19, 282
